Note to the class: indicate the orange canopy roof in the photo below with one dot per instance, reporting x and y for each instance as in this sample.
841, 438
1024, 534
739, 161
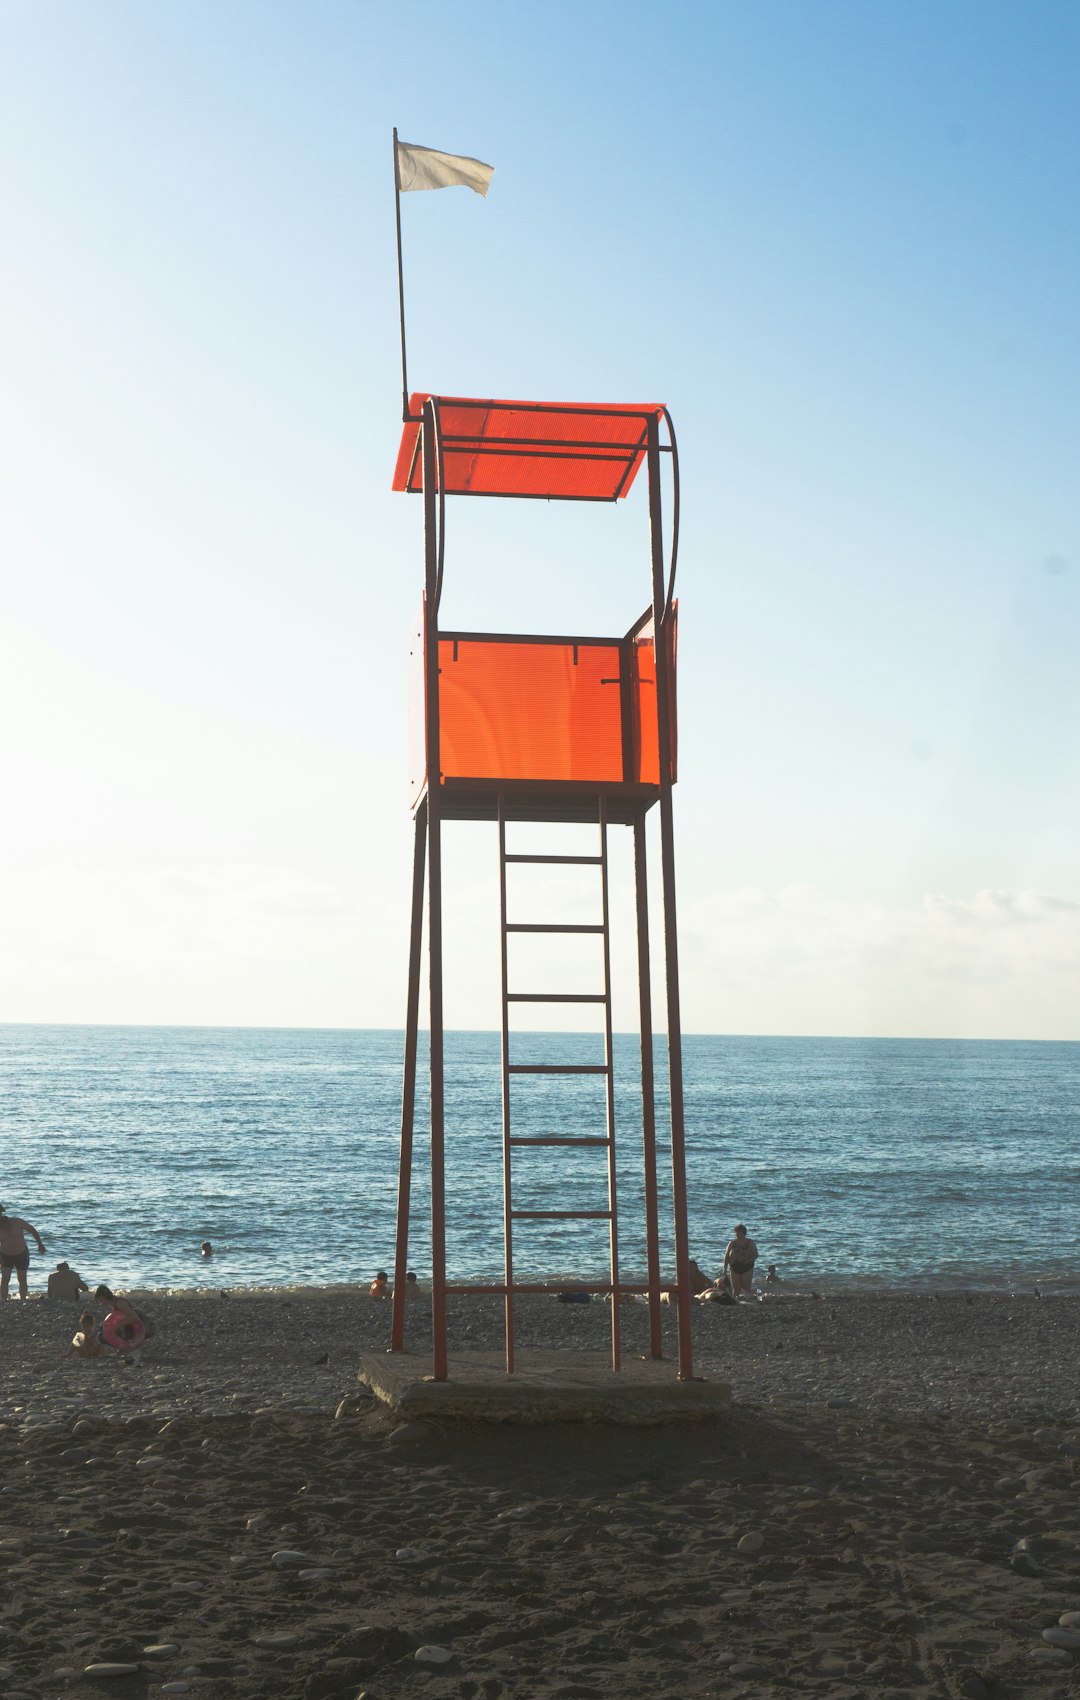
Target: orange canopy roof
570, 451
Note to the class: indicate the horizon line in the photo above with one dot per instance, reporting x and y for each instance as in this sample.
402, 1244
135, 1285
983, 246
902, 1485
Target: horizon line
622, 1033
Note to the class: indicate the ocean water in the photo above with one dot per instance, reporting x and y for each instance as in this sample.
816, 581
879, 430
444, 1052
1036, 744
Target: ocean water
859, 1163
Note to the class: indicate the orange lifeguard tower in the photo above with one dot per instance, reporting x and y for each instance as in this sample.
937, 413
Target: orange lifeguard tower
545, 728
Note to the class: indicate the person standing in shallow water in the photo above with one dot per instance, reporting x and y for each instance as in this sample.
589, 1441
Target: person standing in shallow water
14, 1251
739, 1260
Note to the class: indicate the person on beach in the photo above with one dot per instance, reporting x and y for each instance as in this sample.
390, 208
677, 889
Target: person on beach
718, 1294
772, 1279
123, 1328
85, 1342
14, 1252
65, 1283
698, 1278
739, 1260
379, 1288
412, 1285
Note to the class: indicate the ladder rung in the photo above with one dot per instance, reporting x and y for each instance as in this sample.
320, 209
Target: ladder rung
562, 861
553, 927
557, 1068
555, 997
557, 1139
555, 1287
562, 1215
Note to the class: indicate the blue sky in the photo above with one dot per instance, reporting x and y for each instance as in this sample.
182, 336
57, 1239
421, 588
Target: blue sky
838, 240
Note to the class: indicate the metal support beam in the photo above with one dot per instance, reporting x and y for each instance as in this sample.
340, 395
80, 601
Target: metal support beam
671, 943
609, 1100
508, 1211
435, 940
408, 1086
648, 1090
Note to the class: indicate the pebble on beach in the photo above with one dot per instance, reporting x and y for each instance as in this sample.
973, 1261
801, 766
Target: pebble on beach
1069, 1638
553, 1564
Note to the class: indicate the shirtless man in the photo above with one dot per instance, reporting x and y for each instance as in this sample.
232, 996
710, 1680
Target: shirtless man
14, 1253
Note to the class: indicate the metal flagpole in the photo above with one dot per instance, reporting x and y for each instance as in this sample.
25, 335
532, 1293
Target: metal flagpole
400, 282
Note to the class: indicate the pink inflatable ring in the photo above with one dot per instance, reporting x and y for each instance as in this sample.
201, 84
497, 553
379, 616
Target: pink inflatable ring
125, 1333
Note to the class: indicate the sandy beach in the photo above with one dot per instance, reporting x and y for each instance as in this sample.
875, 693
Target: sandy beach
233, 1517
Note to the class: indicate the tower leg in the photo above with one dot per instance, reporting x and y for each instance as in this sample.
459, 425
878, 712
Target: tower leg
438, 1165
433, 486
609, 1098
508, 1220
661, 618
648, 1090
408, 1085
675, 1081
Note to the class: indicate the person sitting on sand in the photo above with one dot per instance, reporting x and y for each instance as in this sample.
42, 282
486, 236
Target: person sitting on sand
123, 1328
739, 1260
412, 1285
698, 1277
379, 1288
65, 1283
85, 1343
716, 1292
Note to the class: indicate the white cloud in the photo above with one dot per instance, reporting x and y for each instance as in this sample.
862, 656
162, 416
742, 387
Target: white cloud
203, 943
802, 960
250, 943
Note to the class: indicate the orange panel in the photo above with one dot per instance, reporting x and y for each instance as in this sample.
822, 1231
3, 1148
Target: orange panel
514, 448
520, 710
646, 738
646, 755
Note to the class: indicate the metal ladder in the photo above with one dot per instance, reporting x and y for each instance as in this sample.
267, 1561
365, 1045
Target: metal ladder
511, 1140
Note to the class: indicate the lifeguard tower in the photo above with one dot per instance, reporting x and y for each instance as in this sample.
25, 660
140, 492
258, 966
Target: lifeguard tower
564, 728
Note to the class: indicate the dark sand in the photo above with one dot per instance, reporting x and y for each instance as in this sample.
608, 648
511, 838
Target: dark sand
143, 1507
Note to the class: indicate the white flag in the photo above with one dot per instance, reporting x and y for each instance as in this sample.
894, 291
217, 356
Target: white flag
427, 168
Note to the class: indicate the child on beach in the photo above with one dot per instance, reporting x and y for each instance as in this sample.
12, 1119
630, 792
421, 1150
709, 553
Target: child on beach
85, 1343
379, 1288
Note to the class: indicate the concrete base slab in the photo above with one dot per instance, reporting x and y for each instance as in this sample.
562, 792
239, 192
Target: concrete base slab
546, 1387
